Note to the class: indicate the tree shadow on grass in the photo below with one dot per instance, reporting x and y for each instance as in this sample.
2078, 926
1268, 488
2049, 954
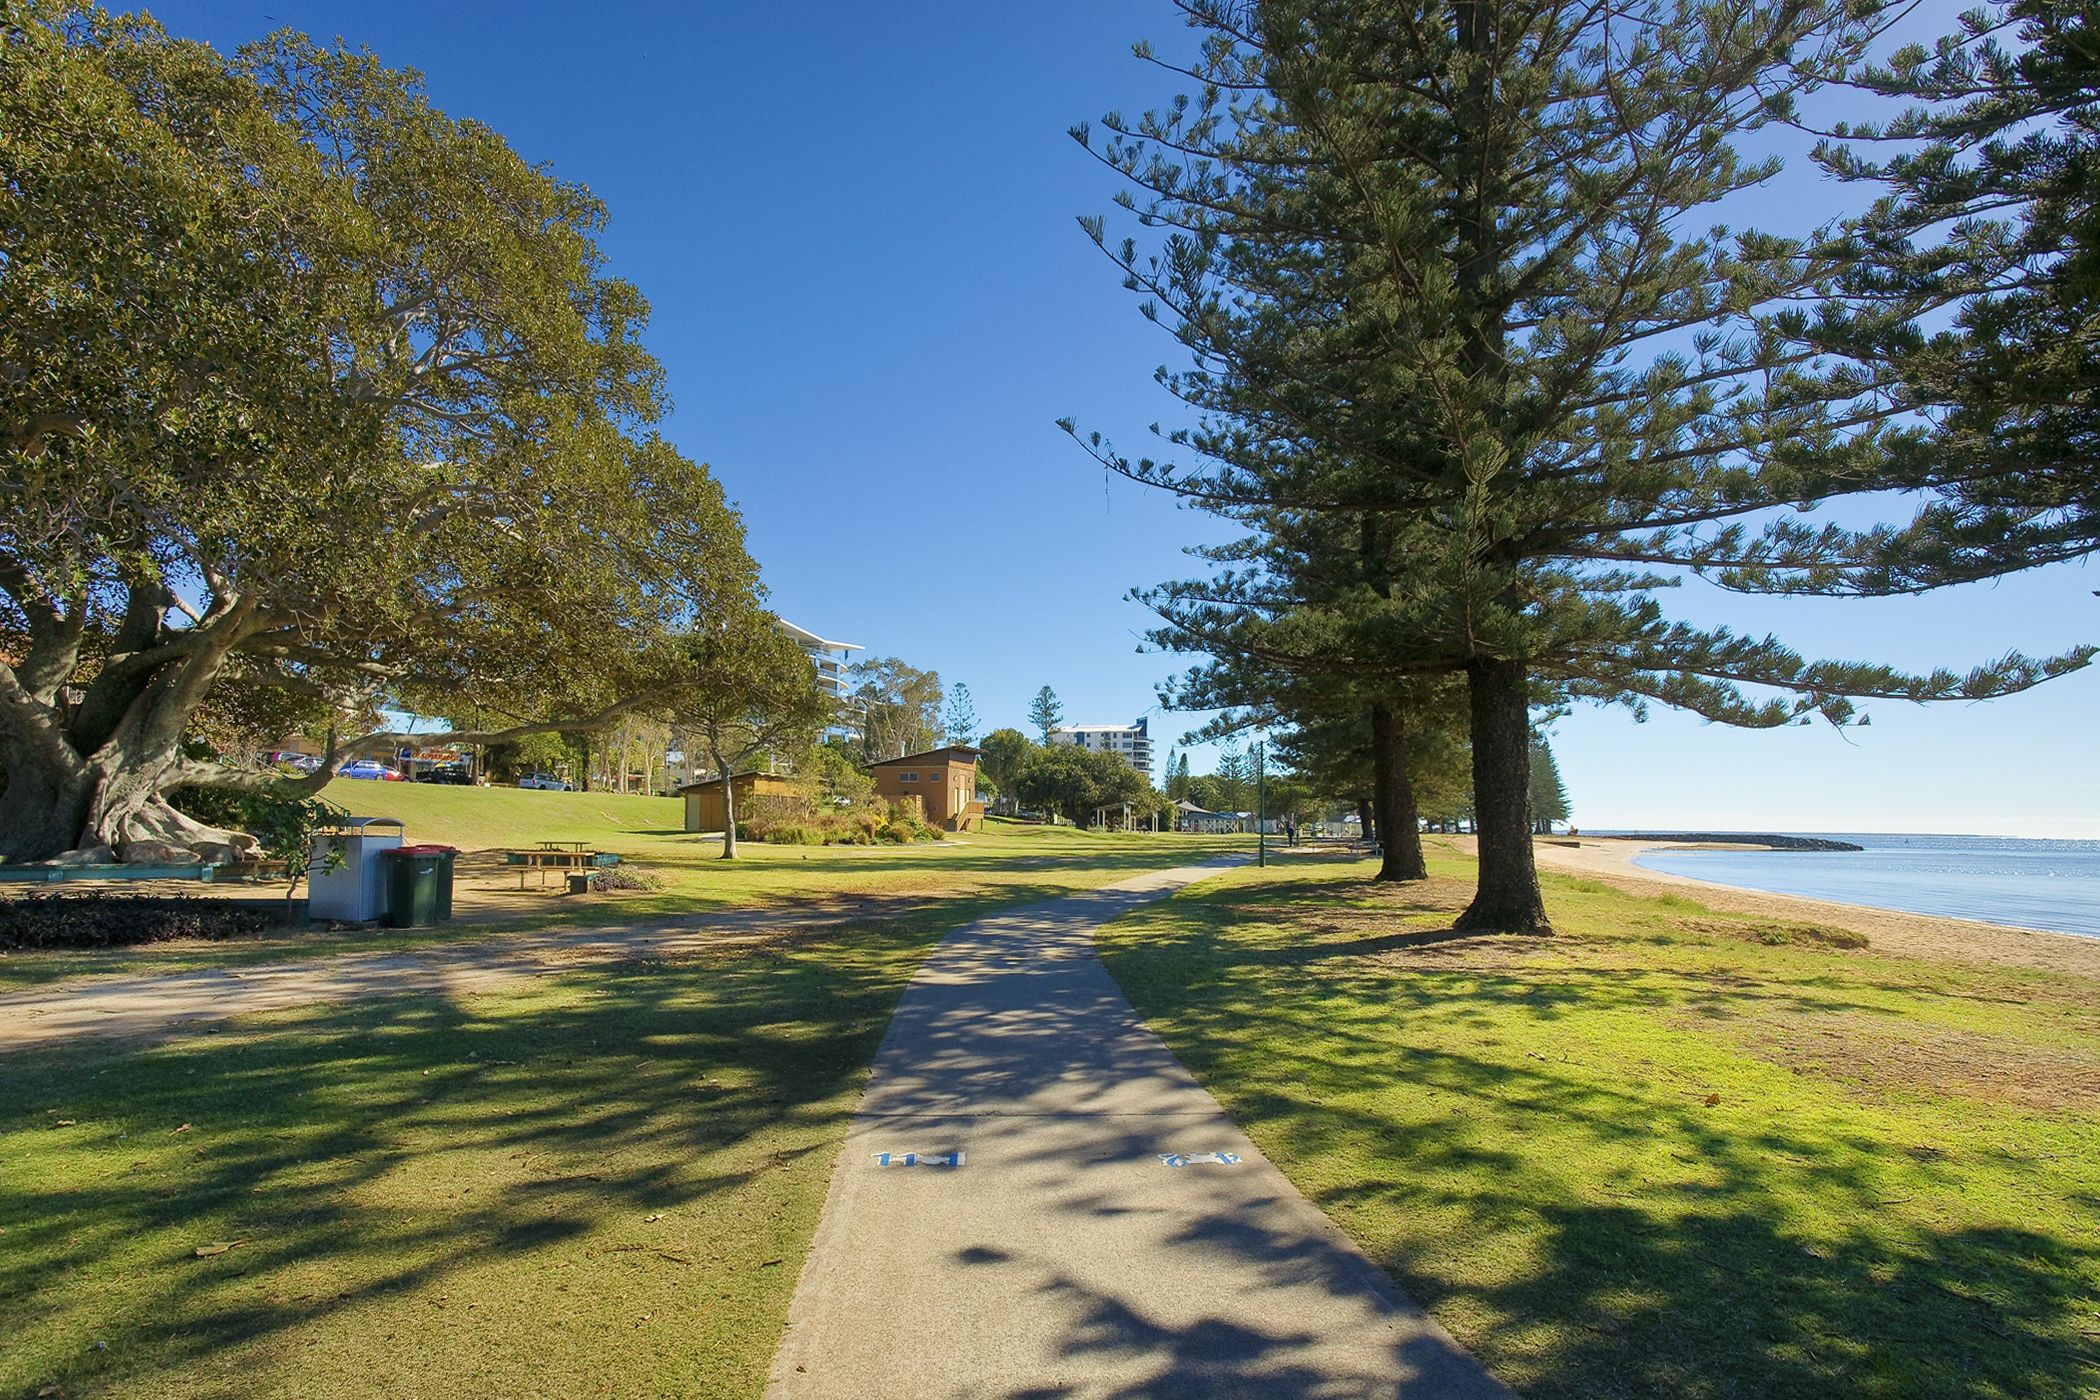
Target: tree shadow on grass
355, 1156
1593, 1229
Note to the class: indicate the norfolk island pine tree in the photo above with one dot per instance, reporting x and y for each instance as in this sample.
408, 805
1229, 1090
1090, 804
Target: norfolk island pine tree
1437, 247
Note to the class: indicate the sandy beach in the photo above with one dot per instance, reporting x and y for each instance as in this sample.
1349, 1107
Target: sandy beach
1888, 930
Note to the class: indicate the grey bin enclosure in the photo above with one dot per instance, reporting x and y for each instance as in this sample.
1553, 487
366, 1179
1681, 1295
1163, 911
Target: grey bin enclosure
355, 891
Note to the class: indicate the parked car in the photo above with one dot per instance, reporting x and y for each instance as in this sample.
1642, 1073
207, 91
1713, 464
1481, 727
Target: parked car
454, 773
297, 762
370, 768
545, 781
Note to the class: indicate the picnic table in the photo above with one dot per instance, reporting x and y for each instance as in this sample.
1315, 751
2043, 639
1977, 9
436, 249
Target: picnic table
564, 856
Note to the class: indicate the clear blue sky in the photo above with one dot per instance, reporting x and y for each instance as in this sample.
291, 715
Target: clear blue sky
855, 225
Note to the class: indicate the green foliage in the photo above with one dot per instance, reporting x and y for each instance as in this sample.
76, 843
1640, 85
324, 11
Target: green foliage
899, 707
743, 688
1077, 782
1045, 712
406, 326
1007, 753
960, 722
1235, 776
283, 818
532, 753
1969, 289
1549, 798
1210, 792
835, 764
1482, 373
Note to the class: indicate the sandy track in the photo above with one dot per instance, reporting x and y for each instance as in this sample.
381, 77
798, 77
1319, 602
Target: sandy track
153, 1004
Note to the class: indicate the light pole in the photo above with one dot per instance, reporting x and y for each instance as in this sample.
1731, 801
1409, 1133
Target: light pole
1261, 803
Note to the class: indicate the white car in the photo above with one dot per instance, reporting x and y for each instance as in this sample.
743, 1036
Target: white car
546, 781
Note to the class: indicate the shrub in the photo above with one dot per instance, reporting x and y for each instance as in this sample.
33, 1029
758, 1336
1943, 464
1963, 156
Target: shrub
113, 920
624, 877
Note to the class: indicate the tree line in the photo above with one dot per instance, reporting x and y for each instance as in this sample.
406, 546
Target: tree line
1481, 373
315, 403
318, 406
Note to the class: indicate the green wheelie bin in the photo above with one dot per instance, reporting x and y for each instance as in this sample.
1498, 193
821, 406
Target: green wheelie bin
419, 886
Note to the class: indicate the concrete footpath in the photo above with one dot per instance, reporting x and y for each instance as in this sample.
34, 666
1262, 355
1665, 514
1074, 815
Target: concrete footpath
1037, 1200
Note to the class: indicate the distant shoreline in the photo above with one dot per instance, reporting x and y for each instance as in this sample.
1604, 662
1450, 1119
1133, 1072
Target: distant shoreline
1768, 840
1611, 858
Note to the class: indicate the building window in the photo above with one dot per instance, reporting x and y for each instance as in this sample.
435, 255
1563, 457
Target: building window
907, 777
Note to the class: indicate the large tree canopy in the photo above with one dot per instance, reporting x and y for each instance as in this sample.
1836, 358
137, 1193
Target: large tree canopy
1456, 266
312, 399
1973, 284
745, 689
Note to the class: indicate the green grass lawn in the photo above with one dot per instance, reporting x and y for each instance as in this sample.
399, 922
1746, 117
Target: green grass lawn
691, 876
1669, 1152
602, 1183
478, 818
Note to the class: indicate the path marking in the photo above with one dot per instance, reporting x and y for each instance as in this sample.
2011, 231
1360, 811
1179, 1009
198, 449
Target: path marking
915, 1159
1182, 1159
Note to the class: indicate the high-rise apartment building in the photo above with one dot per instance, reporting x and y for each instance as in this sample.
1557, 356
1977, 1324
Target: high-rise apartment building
1131, 742
831, 657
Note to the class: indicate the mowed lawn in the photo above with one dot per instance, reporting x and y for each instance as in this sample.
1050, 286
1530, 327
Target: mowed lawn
1006, 861
601, 1183
1669, 1152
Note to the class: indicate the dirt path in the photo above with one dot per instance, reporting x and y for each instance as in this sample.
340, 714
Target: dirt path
1888, 930
155, 1003
1036, 1199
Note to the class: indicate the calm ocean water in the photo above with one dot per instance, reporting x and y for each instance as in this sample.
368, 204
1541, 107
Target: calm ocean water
1997, 879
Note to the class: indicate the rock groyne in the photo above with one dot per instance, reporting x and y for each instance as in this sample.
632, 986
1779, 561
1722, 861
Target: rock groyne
1739, 838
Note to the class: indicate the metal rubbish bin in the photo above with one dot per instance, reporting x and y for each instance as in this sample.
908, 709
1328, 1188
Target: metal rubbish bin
351, 889
419, 886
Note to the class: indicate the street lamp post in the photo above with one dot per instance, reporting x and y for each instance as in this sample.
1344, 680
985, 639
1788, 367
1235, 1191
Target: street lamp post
1261, 803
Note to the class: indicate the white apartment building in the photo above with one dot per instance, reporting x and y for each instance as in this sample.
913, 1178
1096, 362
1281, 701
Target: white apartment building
1131, 742
830, 657
832, 660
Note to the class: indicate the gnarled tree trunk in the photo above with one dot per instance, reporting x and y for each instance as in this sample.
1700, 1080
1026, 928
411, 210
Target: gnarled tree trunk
84, 782
108, 807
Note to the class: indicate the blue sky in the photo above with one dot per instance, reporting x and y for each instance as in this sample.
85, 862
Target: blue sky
855, 224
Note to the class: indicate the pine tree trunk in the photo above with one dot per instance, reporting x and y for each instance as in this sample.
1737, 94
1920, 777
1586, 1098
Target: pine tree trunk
1507, 899
1366, 820
1394, 798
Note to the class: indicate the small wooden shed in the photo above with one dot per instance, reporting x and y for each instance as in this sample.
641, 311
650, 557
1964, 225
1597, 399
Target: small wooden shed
944, 781
703, 800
